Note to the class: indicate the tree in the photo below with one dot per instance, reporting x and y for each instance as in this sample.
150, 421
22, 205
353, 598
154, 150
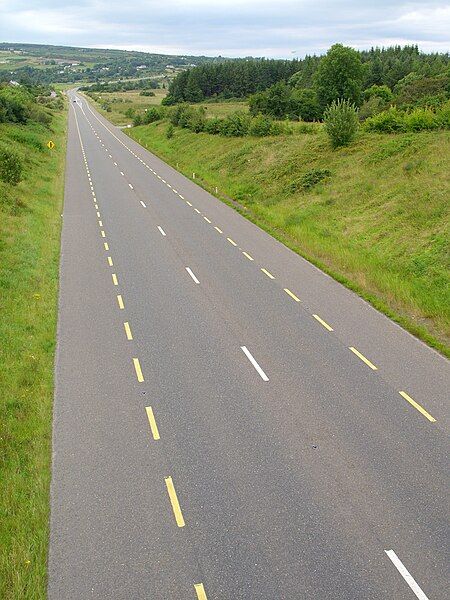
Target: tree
304, 105
339, 76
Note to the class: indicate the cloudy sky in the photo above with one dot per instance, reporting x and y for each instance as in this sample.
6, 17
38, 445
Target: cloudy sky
276, 28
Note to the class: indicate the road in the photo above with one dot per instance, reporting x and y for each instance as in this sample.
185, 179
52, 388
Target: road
229, 421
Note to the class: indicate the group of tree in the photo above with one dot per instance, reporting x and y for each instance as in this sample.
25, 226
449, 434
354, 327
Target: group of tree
231, 79
302, 89
124, 85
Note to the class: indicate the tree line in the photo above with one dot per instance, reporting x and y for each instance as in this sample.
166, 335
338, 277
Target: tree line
241, 78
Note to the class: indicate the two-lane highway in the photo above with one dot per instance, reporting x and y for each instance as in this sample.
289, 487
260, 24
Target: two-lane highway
229, 422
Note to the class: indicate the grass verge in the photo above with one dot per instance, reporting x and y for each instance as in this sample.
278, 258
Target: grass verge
30, 224
374, 216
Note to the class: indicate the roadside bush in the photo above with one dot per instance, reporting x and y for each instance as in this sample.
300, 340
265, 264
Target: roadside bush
213, 125
308, 180
236, 124
137, 120
312, 177
443, 116
197, 120
15, 103
152, 115
341, 122
388, 121
11, 168
420, 119
260, 126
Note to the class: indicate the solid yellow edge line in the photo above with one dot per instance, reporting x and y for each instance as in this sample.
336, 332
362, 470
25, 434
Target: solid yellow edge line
363, 358
201, 594
291, 294
137, 368
174, 501
128, 331
152, 422
418, 407
322, 322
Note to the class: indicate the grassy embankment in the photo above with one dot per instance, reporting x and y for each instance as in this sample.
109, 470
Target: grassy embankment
378, 223
30, 222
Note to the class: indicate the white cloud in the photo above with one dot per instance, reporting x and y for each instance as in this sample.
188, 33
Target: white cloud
227, 27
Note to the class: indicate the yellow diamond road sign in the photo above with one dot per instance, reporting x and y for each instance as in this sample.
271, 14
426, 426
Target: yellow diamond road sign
51, 144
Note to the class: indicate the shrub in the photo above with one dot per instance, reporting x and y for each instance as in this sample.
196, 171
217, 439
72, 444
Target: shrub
341, 122
443, 115
260, 126
236, 124
152, 115
170, 131
15, 103
420, 119
312, 177
197, 120
388, 121
213, 126
137, 120
371, 107
11, 167
146, 93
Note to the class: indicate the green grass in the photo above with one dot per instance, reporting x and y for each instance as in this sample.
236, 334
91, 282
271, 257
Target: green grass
378, 223
30, 222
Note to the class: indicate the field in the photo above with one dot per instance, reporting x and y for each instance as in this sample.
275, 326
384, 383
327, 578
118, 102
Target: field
120, 102
30, 223
378, 222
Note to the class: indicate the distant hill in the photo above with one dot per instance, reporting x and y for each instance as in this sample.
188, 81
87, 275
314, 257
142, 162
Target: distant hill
43, 64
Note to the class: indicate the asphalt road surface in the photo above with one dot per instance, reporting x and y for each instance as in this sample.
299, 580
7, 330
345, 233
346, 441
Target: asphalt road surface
230, 422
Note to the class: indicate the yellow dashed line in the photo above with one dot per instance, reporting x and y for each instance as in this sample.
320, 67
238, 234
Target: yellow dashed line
187, 202
417, 406
152, 421
363, 358
174, 501
120, 301
114, 278
110, 261
291, 294
232, 241
103, 234
196, 210
128, 331
207, 220
266, 272
322, 322
247, 256
137, 368
100, 224
201, 594
218, 229
106, 245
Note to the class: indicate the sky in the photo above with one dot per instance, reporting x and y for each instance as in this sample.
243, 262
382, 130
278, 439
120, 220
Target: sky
272, 28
